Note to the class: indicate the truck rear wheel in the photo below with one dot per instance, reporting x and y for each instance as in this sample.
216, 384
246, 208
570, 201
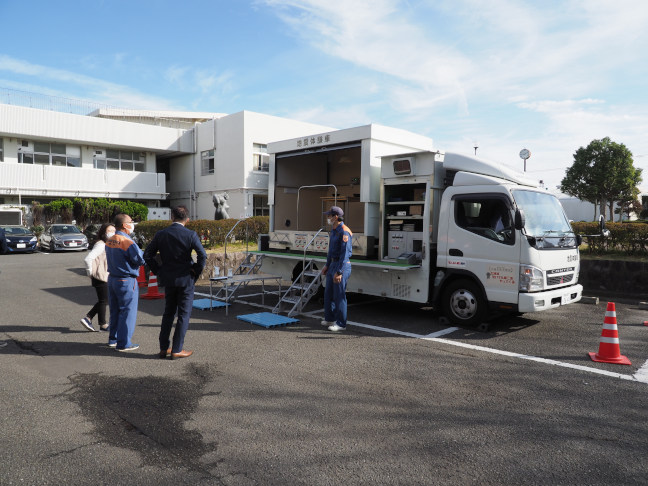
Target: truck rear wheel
463, 303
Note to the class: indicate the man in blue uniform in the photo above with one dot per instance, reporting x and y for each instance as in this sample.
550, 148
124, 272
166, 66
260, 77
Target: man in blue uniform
337, 271
124, 260
177, 274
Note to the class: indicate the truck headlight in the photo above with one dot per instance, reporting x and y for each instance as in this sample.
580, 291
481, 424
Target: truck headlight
531, 279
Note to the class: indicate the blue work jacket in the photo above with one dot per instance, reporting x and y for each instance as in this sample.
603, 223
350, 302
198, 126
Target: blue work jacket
123, 255
340, 248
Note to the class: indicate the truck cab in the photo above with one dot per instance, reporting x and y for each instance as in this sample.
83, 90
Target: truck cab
502, 242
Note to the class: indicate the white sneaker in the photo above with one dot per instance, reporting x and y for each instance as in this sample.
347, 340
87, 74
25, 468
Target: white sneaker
336, 328
327, 323
87, 323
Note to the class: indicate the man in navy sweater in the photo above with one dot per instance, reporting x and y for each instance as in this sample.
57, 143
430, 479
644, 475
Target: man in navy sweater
177, 273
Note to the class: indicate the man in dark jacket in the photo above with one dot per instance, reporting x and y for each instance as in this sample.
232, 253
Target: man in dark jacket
177, 273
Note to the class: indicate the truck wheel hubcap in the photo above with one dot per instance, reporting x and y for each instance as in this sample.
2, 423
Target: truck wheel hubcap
463, 304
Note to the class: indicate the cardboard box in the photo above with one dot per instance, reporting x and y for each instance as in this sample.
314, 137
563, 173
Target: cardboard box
419, 194
416, 210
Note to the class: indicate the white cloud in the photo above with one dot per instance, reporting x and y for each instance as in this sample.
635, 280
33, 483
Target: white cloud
176, 74
59, 82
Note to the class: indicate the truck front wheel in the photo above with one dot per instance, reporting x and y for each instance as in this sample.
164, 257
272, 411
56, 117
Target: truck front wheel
463, 303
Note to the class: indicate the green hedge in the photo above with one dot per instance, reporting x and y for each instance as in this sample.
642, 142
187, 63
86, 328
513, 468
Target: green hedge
212, 233
629, 238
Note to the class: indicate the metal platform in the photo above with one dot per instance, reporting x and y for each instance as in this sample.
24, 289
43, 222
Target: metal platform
203, 304
267, 319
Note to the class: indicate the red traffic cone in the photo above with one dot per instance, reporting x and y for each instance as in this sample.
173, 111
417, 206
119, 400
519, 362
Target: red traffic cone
152, 291
609, 350
141, 278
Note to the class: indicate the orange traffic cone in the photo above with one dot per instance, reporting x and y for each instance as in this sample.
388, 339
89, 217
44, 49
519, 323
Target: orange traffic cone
609, 351
152, 292
141, 278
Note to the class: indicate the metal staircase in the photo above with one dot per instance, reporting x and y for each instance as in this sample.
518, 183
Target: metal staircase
301, 291
304, 287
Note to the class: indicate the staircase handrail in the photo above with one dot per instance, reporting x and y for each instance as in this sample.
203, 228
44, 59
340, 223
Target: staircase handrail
247, 241
301, 282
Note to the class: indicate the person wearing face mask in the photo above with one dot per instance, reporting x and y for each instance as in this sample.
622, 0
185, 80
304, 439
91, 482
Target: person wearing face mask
124, 259
97, 270
337, 271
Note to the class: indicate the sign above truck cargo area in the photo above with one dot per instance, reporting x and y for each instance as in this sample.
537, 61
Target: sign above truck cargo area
314, 140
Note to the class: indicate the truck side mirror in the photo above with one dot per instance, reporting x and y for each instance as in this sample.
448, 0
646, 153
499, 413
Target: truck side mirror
604, 232
519, 219
579, 240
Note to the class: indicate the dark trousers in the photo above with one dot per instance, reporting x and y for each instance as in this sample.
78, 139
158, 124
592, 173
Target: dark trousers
102, 301
180, 300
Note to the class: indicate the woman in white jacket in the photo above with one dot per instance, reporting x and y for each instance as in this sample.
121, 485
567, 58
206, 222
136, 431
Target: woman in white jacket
97, 270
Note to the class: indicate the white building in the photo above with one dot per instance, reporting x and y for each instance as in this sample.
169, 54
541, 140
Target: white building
231, 158
579, 210
153, 157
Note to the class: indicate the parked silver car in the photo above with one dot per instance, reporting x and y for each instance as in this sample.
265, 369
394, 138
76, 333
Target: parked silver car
63, 237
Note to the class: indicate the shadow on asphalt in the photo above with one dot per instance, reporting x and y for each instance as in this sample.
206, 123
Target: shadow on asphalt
148, 415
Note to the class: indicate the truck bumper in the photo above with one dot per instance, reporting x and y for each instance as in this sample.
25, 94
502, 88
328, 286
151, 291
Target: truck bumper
539, 301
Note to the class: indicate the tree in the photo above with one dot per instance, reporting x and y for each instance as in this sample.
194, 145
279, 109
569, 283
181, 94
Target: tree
628, 206
602, 172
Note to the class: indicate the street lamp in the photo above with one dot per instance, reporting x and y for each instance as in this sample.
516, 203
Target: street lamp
524, 155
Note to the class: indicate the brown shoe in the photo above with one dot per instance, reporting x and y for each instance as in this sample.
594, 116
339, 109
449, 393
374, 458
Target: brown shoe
181, 354
165, 354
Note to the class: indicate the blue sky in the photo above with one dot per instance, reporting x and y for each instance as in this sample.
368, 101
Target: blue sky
549, 76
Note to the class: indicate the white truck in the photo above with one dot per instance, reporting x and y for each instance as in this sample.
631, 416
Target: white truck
463, 234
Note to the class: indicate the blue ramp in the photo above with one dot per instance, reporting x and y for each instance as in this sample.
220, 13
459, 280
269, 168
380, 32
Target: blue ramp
203, 304
267, 319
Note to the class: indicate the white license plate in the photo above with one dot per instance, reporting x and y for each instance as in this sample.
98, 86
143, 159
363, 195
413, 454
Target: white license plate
564, 299
21, 245
72, 243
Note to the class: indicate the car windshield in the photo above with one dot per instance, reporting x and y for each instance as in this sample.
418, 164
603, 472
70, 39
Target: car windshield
544, 214
9, 231
66, 229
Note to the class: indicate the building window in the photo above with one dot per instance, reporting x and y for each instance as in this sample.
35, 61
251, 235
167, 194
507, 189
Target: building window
260, 205
46, 153
261, 157
1, 150
207, 162
125, 160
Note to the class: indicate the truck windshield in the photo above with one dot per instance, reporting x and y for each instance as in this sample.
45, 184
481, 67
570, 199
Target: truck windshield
544, 214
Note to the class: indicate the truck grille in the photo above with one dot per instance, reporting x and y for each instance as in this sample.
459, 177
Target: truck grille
560, 279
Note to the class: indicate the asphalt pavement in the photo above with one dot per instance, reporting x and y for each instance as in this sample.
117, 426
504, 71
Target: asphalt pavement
402, 397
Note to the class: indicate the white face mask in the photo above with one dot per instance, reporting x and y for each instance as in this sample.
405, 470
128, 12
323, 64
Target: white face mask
329, 221
129, 227
110, 234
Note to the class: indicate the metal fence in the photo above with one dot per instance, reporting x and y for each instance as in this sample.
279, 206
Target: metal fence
81, 107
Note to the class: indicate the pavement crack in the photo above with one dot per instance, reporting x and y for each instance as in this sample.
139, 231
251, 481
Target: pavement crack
72, 451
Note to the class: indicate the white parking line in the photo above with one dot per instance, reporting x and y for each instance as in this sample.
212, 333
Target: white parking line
641, 375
